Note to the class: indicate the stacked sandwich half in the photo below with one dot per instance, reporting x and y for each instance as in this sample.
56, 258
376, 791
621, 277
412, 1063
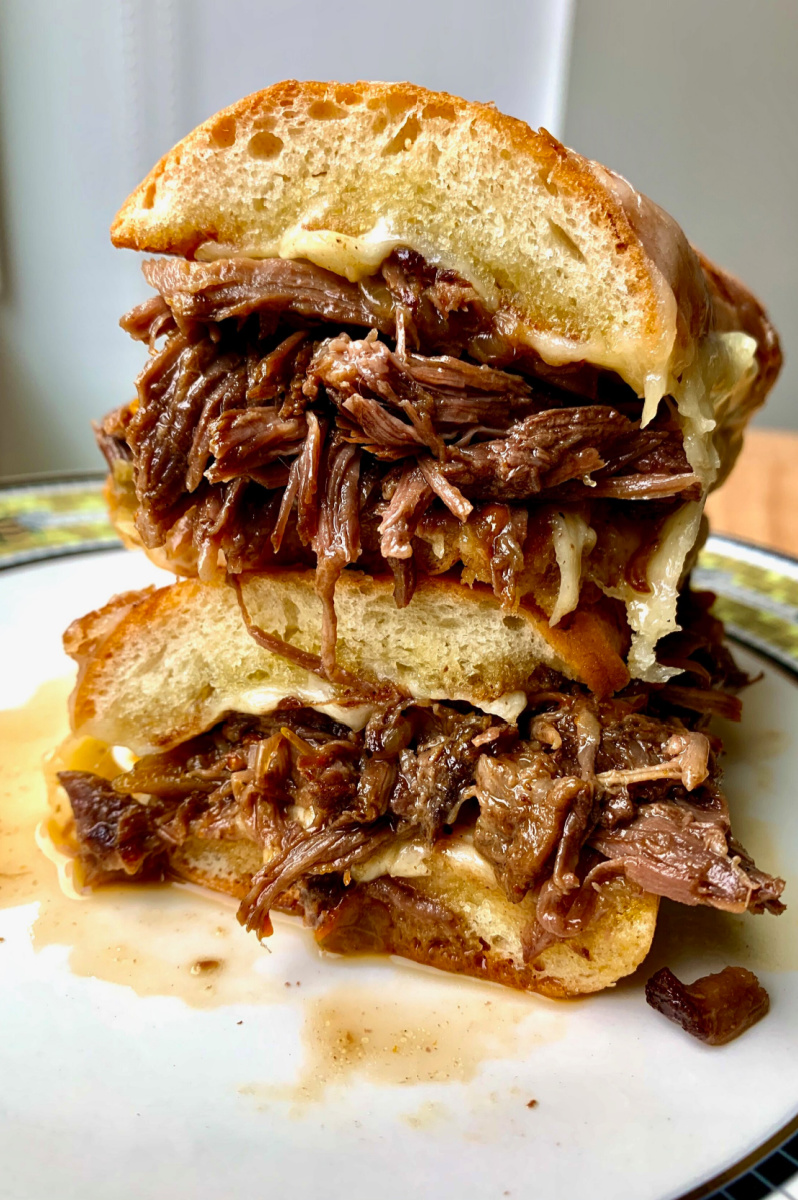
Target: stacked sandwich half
430, 413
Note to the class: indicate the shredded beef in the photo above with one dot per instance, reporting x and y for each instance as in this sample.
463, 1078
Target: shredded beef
681, 852
765, 889
326, 851
634, 486
410, 497
522, 810
244, 441
544, 450
384, 916
302, 488
256, 386
640, 790
239, 287
149, 321
433, 776
337, 541
116, 834
184, 389
716, 1008
562, 914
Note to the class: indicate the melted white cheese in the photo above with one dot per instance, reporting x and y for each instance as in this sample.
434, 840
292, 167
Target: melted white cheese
400, 859
304, 814
723, 367
354, 258
652, 615
508, 706
408, 860
356, 716
315, 693
571, 535
460, 853
125, 759
320, 696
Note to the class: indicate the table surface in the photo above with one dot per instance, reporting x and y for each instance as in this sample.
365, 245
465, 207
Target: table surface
759, 502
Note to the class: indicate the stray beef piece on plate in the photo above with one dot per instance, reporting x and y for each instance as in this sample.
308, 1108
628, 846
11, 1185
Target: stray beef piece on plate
716, 1008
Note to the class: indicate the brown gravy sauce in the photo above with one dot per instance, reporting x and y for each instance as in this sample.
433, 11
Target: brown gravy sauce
441, 1033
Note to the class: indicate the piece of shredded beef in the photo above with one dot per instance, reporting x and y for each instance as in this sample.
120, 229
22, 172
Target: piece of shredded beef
638, 789
434, 774
385, 916
326, 851
522, 811
258, 382
542, 451
337, 541
116, 833
238, 287
409, 500
683, 853
716, 1008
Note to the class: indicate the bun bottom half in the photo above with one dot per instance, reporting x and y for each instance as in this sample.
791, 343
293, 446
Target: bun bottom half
447, 919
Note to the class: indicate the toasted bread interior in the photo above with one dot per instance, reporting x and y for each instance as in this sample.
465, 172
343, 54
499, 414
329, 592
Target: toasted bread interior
158, 667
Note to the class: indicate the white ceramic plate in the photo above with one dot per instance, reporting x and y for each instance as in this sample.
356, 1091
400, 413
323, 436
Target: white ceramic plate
132, 1066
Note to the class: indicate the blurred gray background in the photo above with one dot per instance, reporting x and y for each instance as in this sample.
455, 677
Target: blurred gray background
694, 100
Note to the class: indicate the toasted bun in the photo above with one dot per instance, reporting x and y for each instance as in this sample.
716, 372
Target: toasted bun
158, 667
580, 264
483, 936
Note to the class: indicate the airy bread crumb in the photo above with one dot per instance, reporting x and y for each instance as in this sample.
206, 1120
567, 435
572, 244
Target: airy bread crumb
157, 667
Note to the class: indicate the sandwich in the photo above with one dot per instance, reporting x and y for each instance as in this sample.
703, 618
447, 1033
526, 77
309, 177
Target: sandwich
431, 409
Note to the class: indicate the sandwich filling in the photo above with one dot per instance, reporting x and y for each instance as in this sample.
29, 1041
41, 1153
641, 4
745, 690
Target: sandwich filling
575, 793
289, 416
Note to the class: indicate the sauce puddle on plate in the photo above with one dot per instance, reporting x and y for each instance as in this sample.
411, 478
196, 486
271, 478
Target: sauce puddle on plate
441, 1031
